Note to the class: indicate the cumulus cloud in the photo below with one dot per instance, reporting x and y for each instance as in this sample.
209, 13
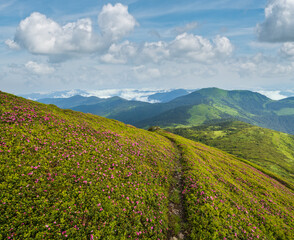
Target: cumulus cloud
185, 47
287, 50
12, 45
120, 53
42, 35
115, 21
196, 48
223, 46
279, 22
262, 66
155, 51
39, 68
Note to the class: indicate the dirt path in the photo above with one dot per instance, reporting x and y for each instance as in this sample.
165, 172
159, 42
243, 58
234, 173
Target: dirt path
178, 229
177, 221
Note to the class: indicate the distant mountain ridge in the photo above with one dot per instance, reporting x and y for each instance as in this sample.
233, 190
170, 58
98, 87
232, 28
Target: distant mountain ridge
151, 96
168, 96
199, 107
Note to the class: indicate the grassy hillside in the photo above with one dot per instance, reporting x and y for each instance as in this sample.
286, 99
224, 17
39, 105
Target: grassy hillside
227, 199
212, 104
65, 174
269, 149
110, 106
196, 108
69, 175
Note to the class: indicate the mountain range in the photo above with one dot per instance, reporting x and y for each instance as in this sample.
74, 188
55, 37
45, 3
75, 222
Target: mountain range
199, 107
151, 96
70, 175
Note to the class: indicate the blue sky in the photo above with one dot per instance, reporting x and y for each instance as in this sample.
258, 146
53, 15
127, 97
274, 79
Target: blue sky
232, 44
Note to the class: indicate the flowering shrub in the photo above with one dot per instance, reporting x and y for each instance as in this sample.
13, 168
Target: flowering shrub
65, 174
228, 199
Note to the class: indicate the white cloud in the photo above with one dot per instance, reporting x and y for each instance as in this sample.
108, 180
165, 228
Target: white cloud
287, 49
120, 53
115, 21
196, 48
12, 45
274, 95
146, 73
39, 68
155, 51
128, 94
279, 22
42, 35
186, 47
223, 46
262, 66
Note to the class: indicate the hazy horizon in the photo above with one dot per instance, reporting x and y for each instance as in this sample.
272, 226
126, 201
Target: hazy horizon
133, 94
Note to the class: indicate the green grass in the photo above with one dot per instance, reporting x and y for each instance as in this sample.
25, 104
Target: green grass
201, 113
225, 198
69, 175
285, 111
65, 174
269, 149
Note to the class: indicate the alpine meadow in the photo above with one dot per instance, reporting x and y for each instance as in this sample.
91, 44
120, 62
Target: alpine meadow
147, 120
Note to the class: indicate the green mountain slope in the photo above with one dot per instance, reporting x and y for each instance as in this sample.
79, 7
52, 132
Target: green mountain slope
213, 104
71, 102
200, 107
227, 199
111, 106
65, 174
69, 175
269, 149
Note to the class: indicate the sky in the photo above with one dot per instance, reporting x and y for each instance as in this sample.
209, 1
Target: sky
53, 45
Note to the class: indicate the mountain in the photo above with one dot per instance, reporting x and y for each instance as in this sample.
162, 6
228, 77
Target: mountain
212, 105
269, 149
66, 174
71, 102
167, 96
110, 106
199, 107
56, 94
128, 94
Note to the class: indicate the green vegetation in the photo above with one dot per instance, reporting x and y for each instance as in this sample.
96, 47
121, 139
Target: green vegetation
199, 107
65, 174
227, 199
69, 175
269, 149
